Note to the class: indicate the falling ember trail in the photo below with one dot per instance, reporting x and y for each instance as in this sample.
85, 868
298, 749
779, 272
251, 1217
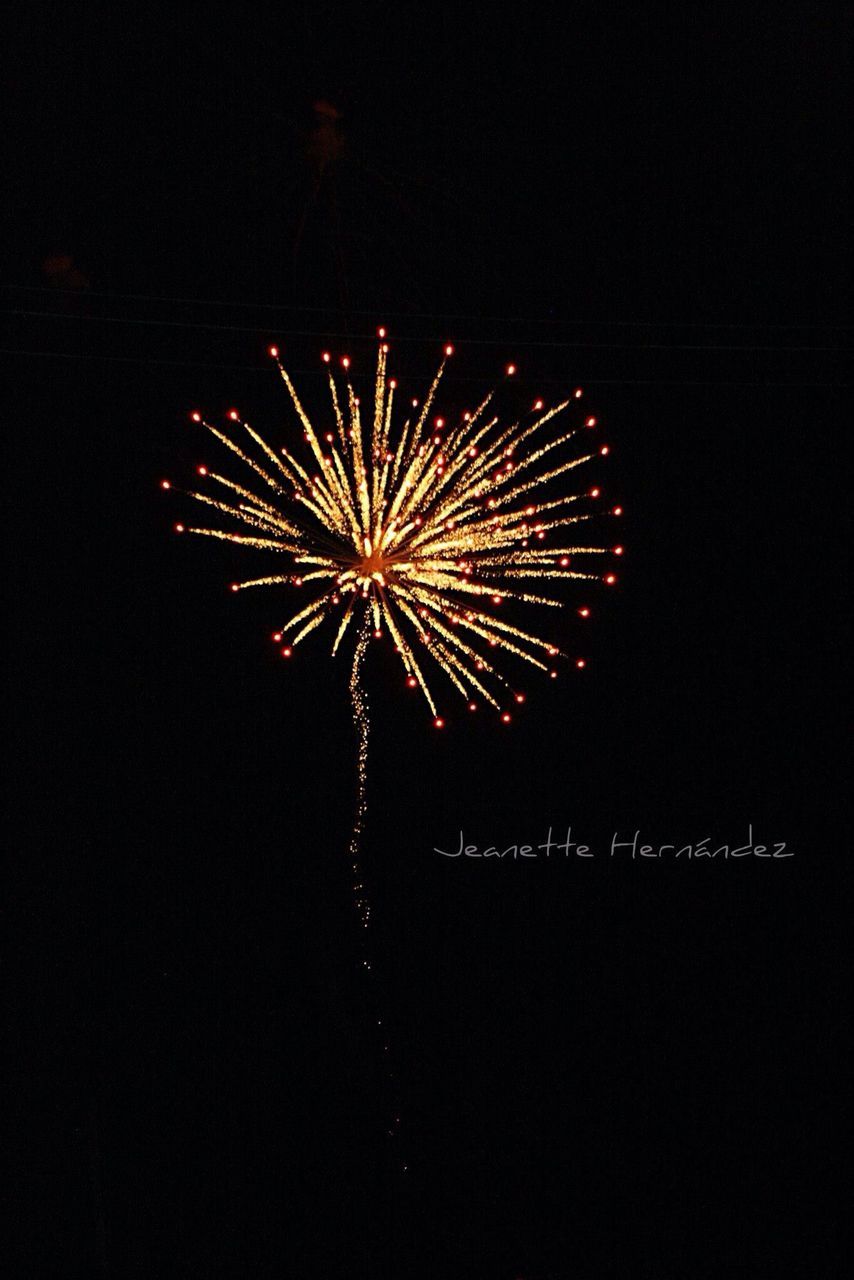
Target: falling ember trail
360, 719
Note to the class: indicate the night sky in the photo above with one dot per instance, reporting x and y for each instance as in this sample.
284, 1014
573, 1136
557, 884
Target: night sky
604, 1067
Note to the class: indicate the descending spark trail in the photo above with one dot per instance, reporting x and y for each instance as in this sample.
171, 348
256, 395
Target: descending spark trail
360, 718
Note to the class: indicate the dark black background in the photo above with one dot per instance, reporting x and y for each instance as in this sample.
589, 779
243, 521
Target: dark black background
603, 1068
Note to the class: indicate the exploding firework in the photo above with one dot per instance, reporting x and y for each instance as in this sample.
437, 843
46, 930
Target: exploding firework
419, 531
423, 532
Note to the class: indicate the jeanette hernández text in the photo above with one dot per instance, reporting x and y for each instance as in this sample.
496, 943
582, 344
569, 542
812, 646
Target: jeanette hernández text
623, 845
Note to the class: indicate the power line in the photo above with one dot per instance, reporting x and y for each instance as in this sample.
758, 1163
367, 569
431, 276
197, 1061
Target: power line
483, 342
427, 315
254, 368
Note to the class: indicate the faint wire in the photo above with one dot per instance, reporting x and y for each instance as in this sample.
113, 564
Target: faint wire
482, 342
428, 315
256, 368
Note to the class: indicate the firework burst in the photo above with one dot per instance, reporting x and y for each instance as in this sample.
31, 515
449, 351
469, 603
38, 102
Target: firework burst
426, 533
414, 530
